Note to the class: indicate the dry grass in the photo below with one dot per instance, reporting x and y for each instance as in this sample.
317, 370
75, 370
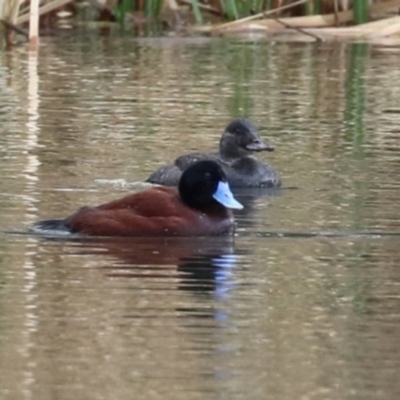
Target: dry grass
320, 26
44, 9
281, 16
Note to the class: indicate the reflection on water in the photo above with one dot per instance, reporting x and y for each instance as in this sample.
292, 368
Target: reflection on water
203, 264
302, 303
202, 317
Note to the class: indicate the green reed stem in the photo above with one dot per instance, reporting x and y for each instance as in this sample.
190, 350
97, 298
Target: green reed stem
153, 8
268, 5
257, 6
308, 8
360, 11
313, 7
317, 7
231, 9
122, 9
197, 12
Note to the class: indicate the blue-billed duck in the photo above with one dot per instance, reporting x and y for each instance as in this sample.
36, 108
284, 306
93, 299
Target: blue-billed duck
201, 206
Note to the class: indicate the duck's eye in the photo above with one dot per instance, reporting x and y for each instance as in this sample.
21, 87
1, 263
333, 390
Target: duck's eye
207, 176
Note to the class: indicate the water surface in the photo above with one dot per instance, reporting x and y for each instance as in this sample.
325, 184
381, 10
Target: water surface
302, 303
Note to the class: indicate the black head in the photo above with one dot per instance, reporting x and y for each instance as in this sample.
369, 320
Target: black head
240, 138
203, 184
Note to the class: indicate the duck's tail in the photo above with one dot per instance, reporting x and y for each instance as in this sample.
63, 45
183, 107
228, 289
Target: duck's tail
50, 227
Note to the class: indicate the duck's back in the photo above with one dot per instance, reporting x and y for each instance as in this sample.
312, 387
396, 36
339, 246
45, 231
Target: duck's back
185, 161
240, 172
169, 175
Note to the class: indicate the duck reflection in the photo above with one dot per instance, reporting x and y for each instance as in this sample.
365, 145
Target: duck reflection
173, 295
203, 266
208, 274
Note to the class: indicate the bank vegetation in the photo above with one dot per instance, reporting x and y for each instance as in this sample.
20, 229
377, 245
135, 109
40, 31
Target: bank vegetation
310, 19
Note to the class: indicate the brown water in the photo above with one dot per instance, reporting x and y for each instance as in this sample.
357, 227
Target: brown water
304, 303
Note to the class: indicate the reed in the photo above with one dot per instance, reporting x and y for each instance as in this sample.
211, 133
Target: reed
360, 10
152, 8
230, 8
317, 7
225, 15
236, 9
9, 10
197, 11
122, 9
